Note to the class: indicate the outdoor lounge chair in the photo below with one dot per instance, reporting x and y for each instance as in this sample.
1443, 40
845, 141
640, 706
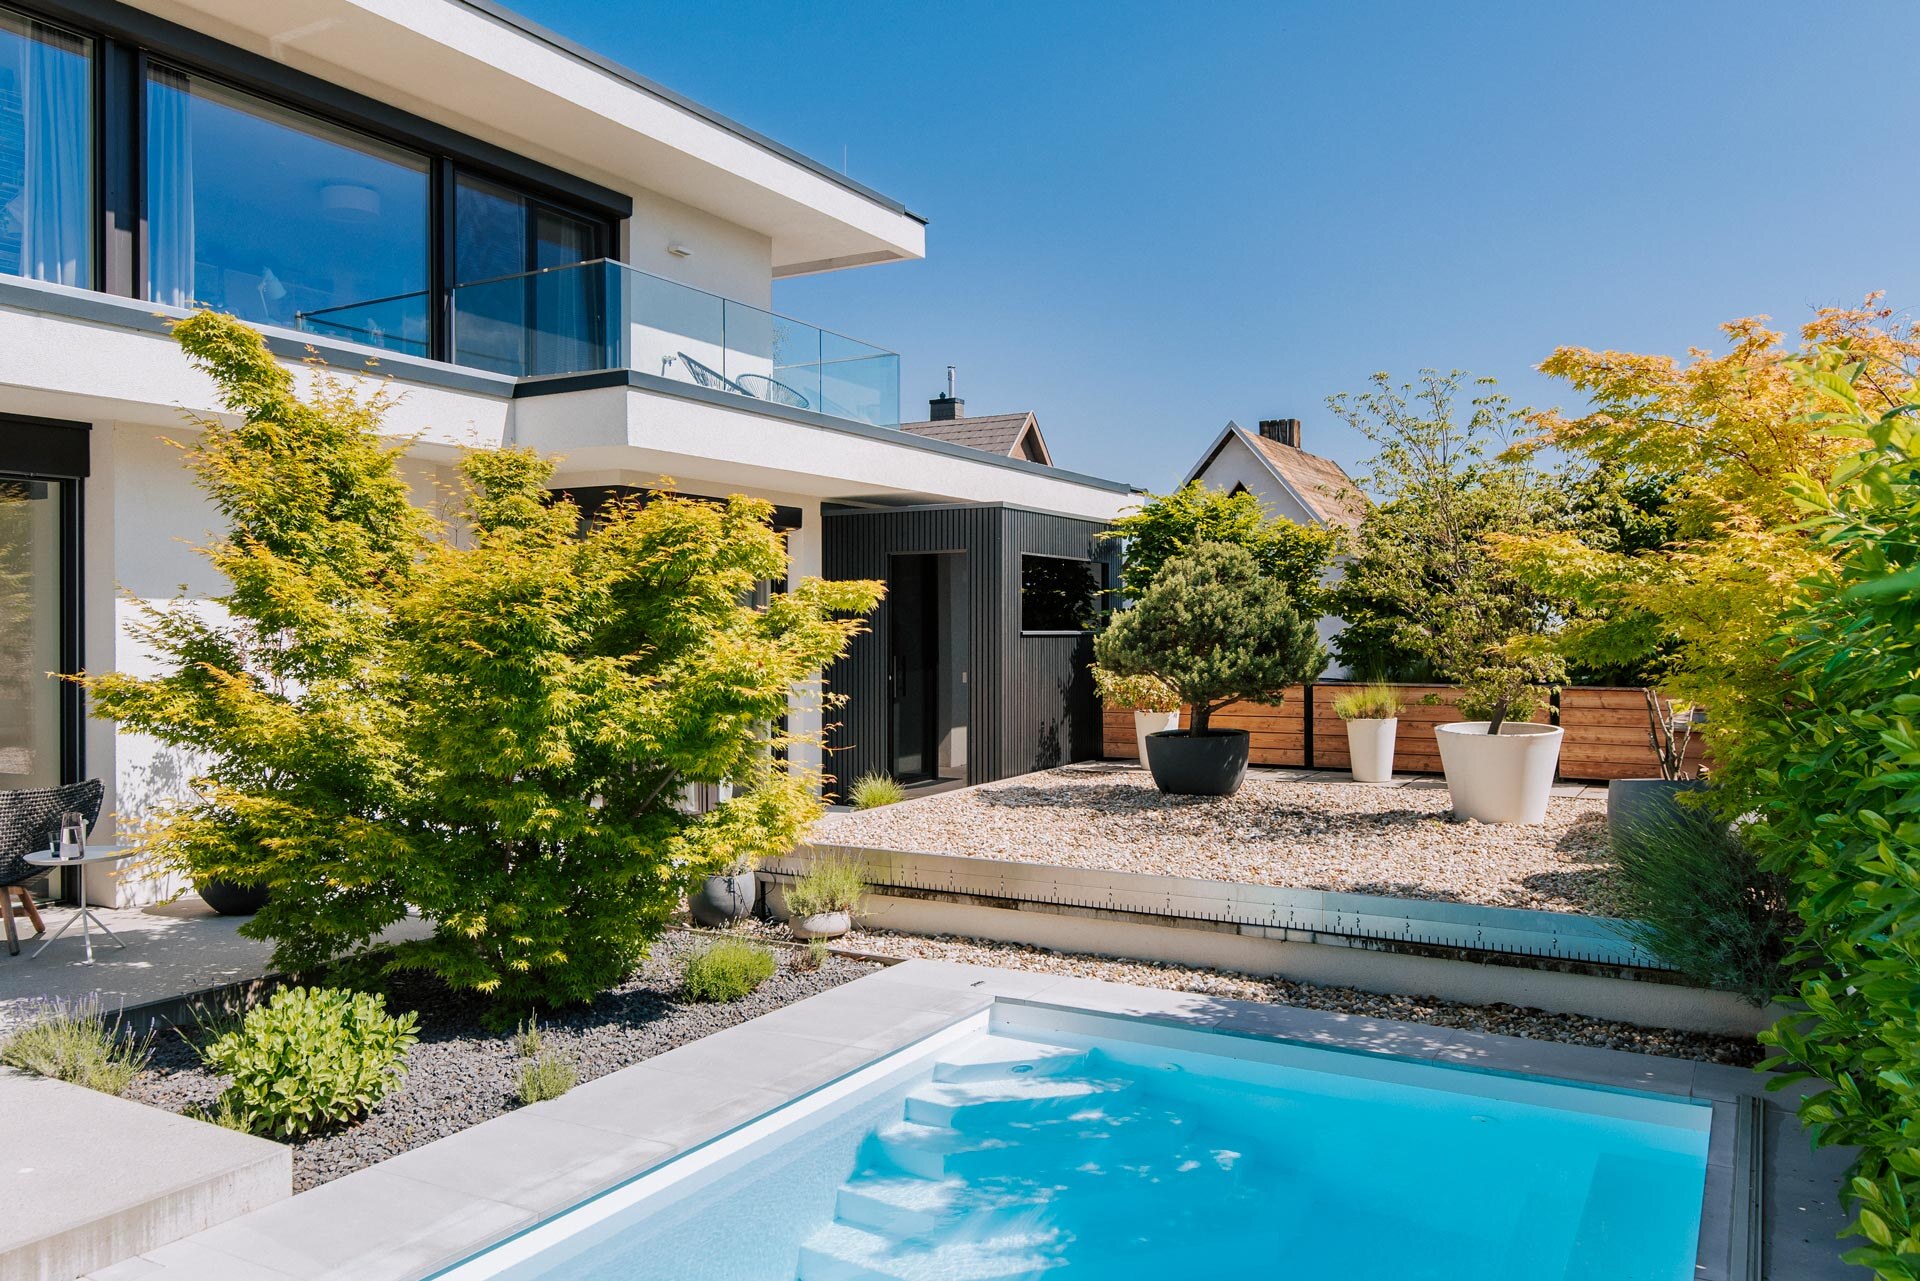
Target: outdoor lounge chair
707, 376
772, 389
29, 822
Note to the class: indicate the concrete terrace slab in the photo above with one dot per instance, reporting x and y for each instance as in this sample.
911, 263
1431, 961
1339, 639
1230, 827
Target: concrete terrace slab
173, 949
420, 1213
90, 1179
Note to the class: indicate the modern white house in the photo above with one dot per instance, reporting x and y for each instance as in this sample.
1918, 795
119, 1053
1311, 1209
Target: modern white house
1290, 483
537, 247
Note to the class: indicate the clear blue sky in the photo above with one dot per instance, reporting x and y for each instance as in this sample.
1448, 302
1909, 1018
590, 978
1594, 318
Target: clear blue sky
1147, 219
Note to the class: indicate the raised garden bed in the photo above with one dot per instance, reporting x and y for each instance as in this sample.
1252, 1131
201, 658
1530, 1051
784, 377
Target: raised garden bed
463, 1071
1280, 829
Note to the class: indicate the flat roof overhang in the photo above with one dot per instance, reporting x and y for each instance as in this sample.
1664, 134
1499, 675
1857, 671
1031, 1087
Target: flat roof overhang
475, 66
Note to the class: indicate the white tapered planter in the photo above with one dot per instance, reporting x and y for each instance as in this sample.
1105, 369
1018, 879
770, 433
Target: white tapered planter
1370, 747
1499, 778
1145, 723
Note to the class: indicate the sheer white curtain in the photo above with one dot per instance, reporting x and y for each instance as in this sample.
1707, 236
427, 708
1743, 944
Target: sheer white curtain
56, 234
170, 230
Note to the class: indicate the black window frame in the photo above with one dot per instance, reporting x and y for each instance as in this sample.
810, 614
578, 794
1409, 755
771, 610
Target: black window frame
57, 452
125, 40
1102, 592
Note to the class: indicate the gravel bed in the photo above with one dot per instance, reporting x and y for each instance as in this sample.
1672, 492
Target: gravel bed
1355, 837
462, 1072
1505, 1020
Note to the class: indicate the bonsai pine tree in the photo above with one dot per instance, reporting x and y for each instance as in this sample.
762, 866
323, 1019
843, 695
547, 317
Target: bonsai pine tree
1170, 525
1217, 630
494, 730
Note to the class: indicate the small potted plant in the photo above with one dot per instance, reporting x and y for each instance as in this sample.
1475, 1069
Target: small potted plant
1499, 763
822, 900
1155, 706
1634, 803
727, 898
1215, 630
1372, 714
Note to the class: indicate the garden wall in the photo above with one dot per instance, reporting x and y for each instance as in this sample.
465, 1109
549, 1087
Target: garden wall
1606, 731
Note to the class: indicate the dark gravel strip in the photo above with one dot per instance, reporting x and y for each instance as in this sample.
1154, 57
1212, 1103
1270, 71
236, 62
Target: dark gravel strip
463, 1072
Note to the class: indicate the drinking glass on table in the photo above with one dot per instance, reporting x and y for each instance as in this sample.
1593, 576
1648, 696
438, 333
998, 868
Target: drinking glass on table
73, 836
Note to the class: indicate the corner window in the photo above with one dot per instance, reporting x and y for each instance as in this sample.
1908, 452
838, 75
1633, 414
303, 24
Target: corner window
282, 219
46, 152
523, 304
1060, 595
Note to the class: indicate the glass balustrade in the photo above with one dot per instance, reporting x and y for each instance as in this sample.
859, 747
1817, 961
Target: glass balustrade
606, 315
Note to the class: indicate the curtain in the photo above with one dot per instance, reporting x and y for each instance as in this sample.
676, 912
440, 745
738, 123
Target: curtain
170, 230
56, 233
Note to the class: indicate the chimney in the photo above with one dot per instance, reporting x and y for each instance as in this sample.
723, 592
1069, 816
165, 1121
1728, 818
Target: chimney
948, 407
1284, 430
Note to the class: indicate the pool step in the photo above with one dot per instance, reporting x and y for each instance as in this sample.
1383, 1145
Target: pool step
1000, 1101
999, 1058
841, 1252
902, 1206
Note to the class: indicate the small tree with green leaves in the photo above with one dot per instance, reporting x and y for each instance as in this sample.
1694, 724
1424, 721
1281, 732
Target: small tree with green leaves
1170, 525
1215, 629
495, 730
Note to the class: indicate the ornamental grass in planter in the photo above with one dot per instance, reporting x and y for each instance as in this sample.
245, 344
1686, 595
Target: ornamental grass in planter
823, 900
1372, 716
1215, 630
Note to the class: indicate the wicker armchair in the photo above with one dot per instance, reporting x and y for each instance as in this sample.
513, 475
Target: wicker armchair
30, 821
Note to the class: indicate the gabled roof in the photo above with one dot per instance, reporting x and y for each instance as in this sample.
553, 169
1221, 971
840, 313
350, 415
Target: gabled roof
1319, 485
1008, 435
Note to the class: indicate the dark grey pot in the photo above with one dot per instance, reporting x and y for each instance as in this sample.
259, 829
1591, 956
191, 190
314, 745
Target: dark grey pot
720, 901
1188, 764
1642, 803
229, 899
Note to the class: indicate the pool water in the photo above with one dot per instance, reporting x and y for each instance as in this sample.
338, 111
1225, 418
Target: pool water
1022, 1152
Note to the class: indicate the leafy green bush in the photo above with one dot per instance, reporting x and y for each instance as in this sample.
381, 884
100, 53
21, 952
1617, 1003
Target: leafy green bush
726, 970
1700, 901
871, 791
72, 1042
491, 717
1833, 771
828, 885
547, 1075
1216, 631
1368, 703
311, 1058
1141, 693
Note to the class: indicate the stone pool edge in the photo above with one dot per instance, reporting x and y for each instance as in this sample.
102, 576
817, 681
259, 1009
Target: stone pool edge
423, 1211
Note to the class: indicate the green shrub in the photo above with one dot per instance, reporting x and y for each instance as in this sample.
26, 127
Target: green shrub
311, 1058
871, 791
546, 1075
72, 1042
828, 885
1216, 631
1141, 693
1832, 769
1168, 526
1368, 703
527, 1039
1701, 902
726, 970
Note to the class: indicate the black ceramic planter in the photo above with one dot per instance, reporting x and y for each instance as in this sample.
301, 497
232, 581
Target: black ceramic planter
1640, 804
1189, 764
230, 899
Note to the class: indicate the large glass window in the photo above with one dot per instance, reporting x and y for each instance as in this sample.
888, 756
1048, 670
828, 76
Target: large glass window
1058, 594
282, 219
46, 152
31, 607
554, 322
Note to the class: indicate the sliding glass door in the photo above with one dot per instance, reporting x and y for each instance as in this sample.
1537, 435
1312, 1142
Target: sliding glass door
34, 580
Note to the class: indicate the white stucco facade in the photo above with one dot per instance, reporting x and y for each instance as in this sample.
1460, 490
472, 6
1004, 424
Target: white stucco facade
735, 210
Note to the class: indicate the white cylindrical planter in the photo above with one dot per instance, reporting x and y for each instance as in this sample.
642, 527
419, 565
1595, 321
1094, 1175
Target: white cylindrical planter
1370, 745
1145, 723
1499, 778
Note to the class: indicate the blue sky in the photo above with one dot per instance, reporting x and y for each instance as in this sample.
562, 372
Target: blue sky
1147, 219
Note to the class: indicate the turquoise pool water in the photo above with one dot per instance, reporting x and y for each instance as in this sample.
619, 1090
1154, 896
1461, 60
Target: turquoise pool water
1042, 1153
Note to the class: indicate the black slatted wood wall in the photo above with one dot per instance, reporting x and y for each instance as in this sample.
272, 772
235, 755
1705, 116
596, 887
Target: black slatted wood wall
1031, 700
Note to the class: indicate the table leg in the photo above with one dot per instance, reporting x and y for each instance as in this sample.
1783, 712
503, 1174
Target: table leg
86, 917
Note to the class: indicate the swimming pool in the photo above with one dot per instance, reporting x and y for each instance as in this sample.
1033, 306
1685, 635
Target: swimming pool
1031, 1139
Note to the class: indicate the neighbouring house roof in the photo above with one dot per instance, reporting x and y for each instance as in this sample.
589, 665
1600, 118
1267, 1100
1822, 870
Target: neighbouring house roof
1007, 435
1321, 485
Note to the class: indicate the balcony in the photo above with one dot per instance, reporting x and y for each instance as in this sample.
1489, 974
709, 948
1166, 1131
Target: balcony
604, 315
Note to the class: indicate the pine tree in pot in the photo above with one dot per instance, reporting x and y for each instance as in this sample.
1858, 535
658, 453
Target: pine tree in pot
1216, 631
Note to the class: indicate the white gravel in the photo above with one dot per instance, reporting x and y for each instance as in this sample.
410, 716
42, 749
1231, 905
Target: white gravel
1304, 834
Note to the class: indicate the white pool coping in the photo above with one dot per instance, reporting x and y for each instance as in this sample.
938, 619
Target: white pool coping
422, 1212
